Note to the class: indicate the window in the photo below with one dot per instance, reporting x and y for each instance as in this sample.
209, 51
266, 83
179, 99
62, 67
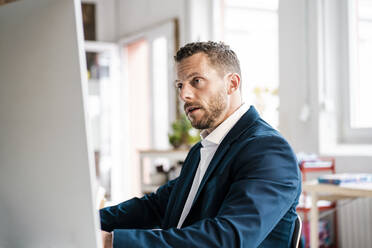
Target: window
357, 122
250, 27
361, 85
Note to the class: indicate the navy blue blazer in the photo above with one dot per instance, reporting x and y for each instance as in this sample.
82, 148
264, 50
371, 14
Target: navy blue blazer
247, 197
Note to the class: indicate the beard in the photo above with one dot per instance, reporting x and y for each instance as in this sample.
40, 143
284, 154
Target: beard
212, 111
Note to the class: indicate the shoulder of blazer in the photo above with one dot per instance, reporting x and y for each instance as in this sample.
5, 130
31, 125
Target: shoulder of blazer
248, 119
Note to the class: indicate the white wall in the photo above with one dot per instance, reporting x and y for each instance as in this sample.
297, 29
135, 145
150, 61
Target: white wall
136, 15
297, 88
106, 22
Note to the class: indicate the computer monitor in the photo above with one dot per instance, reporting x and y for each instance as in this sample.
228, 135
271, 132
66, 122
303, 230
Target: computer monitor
46, 169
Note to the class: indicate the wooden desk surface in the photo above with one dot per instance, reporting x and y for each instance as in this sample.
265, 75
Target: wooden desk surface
346, 190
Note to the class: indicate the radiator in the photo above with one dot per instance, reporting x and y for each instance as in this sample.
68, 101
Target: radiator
355, 223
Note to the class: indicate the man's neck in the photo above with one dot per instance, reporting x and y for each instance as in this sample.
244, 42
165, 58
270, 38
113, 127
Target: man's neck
230, 112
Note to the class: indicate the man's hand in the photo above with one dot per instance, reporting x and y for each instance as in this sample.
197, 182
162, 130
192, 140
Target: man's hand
107, 239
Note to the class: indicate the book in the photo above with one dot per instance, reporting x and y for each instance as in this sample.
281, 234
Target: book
345, 178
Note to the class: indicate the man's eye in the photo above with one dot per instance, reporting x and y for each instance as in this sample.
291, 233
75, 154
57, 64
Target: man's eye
197, 80
179, 86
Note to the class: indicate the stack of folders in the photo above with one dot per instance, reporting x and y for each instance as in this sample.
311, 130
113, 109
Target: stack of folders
345, 178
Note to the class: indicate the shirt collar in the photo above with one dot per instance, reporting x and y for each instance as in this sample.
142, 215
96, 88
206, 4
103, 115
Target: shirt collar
217, 135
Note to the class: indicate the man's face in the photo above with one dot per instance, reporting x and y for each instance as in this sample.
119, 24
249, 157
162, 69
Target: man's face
203, 90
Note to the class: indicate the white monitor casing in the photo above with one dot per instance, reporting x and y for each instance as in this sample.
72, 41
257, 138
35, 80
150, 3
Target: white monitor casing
46, 165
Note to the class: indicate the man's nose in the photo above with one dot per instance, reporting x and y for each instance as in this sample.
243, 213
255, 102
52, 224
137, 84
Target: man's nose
186, 93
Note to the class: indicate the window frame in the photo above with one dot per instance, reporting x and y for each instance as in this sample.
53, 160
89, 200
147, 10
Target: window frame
348, 134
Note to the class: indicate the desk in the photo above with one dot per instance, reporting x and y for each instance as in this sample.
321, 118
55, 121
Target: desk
330, 192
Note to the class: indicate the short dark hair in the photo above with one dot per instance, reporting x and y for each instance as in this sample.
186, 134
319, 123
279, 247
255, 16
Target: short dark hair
219, 55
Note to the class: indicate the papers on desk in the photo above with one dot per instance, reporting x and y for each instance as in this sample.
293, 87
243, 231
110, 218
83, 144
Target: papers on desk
346, 178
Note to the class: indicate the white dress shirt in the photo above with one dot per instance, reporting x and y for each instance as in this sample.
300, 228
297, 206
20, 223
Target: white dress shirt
210, 143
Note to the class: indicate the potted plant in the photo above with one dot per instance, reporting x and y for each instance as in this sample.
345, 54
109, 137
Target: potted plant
183, 135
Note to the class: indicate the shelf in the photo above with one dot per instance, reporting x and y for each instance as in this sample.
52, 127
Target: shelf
173, 155
321, 164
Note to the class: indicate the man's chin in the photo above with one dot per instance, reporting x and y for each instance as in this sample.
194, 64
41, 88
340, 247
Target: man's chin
199, 125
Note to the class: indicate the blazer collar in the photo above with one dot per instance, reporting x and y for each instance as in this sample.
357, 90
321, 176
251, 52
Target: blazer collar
245, 122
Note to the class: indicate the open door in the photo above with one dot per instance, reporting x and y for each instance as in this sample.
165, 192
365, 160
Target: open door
150, 104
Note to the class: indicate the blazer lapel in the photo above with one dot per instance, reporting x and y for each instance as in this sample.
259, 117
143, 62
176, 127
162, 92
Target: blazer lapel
243, 124
212, 165
183, 186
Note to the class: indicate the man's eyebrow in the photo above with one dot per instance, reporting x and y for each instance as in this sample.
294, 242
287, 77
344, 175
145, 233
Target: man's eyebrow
188, 76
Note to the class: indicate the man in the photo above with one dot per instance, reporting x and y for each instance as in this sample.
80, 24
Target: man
238, 187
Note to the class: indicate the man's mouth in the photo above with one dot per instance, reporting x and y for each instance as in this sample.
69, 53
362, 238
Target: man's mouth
191, 109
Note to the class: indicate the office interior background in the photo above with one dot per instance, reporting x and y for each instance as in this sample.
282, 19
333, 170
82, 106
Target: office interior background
305, 67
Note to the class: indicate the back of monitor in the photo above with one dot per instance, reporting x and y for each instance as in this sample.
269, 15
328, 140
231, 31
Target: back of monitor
46, 175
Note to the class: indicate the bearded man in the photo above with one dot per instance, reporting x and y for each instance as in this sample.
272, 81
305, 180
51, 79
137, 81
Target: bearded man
238, 187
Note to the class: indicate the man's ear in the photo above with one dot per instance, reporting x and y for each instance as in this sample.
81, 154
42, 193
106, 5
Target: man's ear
233, 83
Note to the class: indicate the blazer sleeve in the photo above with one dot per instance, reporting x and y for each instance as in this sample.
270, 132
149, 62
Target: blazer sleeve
142, 213
265, 185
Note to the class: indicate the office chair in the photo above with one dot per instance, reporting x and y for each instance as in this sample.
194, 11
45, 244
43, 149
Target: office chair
296, 237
